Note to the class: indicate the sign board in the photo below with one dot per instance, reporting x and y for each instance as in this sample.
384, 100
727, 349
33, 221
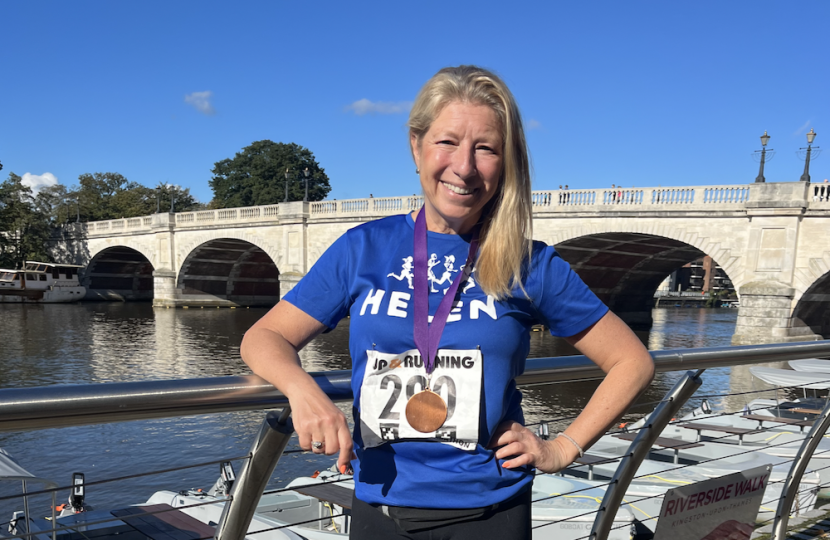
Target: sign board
714, 509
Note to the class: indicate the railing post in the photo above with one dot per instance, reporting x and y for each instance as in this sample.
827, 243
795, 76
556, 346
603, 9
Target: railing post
802, 459
638, 451
265, 453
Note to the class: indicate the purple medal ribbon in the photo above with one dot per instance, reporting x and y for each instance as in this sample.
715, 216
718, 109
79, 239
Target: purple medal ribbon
427, 336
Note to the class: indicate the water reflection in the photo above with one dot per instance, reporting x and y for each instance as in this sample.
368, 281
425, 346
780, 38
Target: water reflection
92, 343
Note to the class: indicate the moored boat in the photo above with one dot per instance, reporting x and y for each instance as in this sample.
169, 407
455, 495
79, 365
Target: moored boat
41, 283
814, 365
671, 467
318, 508
788, 377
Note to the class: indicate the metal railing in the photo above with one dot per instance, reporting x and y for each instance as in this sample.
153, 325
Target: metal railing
74, 405
639, 449
59, 406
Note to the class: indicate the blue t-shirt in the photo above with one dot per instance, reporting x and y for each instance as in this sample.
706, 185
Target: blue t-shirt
366, 274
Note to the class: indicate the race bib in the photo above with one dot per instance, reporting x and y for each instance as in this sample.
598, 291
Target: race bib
391, 379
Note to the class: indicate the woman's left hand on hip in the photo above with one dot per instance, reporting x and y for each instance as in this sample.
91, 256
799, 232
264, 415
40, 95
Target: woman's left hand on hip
520, 447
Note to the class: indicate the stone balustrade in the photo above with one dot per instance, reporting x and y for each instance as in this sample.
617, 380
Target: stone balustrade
116, 225
706, 198
818, 194
382, 206
689, 198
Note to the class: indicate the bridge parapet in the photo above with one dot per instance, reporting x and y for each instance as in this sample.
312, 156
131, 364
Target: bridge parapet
382, 206
115, 226
819, 195
577, 200
224, 216
680, 198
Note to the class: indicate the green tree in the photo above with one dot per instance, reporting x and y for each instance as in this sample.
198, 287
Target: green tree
102, 196
53, 203
94, 192
256, 176
26, 221
716, 299
182, 200
25, 227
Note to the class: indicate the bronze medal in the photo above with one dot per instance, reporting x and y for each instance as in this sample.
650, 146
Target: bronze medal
426, 411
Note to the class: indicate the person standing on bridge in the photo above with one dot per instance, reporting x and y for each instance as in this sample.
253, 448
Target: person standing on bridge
439, 446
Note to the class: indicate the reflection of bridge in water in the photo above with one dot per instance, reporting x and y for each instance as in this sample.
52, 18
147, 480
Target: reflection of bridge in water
770, 239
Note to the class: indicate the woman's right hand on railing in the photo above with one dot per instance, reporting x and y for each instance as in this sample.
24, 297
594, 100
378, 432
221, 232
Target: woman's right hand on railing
321, 427
271, 348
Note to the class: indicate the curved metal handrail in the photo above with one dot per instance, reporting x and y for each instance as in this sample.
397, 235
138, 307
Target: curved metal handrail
802, 459
639, 449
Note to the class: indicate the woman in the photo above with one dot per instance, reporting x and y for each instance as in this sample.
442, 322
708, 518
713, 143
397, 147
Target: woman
439, 438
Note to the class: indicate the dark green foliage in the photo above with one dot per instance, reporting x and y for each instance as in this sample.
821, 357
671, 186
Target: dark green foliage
102, 196
26, 221
256, 176
24, 224
716, 299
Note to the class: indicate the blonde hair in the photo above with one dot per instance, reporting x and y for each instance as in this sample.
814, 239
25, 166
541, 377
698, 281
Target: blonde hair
507, 227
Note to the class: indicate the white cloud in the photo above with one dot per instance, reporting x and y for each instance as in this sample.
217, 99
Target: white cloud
364, 106
38, 182
802, 129
533, 124
201, 101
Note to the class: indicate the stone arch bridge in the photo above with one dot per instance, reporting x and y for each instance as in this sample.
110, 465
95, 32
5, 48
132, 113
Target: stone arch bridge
772, 240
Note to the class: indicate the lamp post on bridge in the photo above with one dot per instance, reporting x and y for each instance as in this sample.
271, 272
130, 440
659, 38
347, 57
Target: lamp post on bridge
306, 175
810, 138
764, 140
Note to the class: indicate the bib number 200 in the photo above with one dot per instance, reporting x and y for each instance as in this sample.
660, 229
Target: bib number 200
421, 382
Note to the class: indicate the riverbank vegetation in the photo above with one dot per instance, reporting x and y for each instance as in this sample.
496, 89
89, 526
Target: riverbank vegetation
27, 219
262, 173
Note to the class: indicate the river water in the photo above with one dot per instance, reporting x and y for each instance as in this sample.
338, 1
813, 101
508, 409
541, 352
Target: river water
107, 342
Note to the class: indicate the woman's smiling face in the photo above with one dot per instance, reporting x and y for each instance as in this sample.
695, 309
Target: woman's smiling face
460, 159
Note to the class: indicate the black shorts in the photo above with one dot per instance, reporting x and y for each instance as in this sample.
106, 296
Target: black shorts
509, 520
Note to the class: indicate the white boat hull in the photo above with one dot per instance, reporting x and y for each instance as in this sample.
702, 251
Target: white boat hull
64, 295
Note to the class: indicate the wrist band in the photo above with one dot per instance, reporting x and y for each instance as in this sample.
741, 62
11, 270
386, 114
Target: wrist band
578, 448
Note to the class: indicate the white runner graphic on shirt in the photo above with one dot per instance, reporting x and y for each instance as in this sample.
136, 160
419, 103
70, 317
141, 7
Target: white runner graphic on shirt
446, 278
391, 379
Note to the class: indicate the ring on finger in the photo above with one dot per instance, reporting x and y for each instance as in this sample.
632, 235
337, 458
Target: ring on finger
317, 445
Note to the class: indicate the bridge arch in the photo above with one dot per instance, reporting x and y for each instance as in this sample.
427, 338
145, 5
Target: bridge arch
228, 271
119, 273
722, 249
811, 310
769, 238
625, 265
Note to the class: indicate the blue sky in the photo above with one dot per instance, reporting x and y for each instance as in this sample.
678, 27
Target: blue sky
630, 93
